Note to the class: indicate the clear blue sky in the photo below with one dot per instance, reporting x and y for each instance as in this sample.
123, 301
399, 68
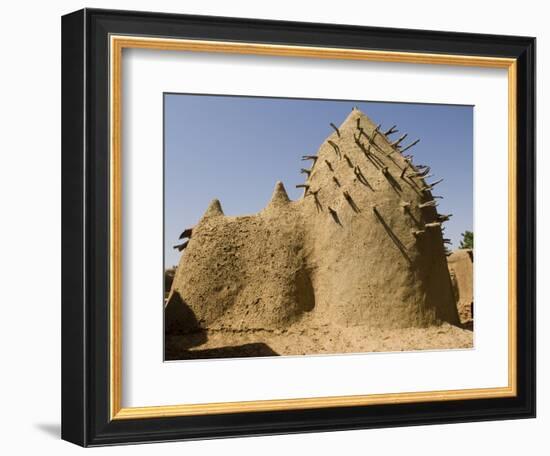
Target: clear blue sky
236, 148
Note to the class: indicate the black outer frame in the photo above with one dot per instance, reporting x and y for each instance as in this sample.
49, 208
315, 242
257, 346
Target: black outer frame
85, 227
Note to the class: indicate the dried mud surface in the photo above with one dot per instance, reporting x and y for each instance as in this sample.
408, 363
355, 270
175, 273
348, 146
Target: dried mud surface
461, 267
322, 340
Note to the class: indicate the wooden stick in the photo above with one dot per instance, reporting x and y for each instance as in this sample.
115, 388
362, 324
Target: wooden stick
429, 187
350, 201
182, 246
391, 131
410, 145
444, 217
432, 225
335, 129
396, 143
335, 147
334, 215
375, 132
309, 157
187, 233
431, 203
314, 193
420, 173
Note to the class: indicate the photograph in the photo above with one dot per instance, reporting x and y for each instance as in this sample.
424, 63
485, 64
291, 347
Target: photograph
316, 226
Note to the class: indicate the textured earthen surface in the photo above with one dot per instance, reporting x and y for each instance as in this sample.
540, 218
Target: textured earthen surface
361, 253
461, 268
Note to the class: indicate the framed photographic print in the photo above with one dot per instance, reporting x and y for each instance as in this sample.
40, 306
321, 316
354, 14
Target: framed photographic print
268, 227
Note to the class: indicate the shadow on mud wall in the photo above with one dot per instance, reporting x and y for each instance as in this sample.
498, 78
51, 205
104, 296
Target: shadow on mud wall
182, 332
179, 319
304, 292
175, 352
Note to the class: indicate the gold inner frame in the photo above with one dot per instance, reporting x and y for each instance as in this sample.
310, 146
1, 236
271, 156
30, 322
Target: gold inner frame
117, 44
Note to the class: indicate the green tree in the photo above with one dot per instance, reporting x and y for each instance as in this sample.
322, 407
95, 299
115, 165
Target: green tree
467, 241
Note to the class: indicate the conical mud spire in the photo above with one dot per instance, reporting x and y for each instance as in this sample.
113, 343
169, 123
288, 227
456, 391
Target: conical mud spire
214, 209
279, 196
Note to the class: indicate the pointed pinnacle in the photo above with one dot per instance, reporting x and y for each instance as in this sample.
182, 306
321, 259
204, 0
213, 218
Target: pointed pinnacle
279, 195
214, 209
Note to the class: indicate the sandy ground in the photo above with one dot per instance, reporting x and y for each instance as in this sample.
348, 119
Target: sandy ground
320, 340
